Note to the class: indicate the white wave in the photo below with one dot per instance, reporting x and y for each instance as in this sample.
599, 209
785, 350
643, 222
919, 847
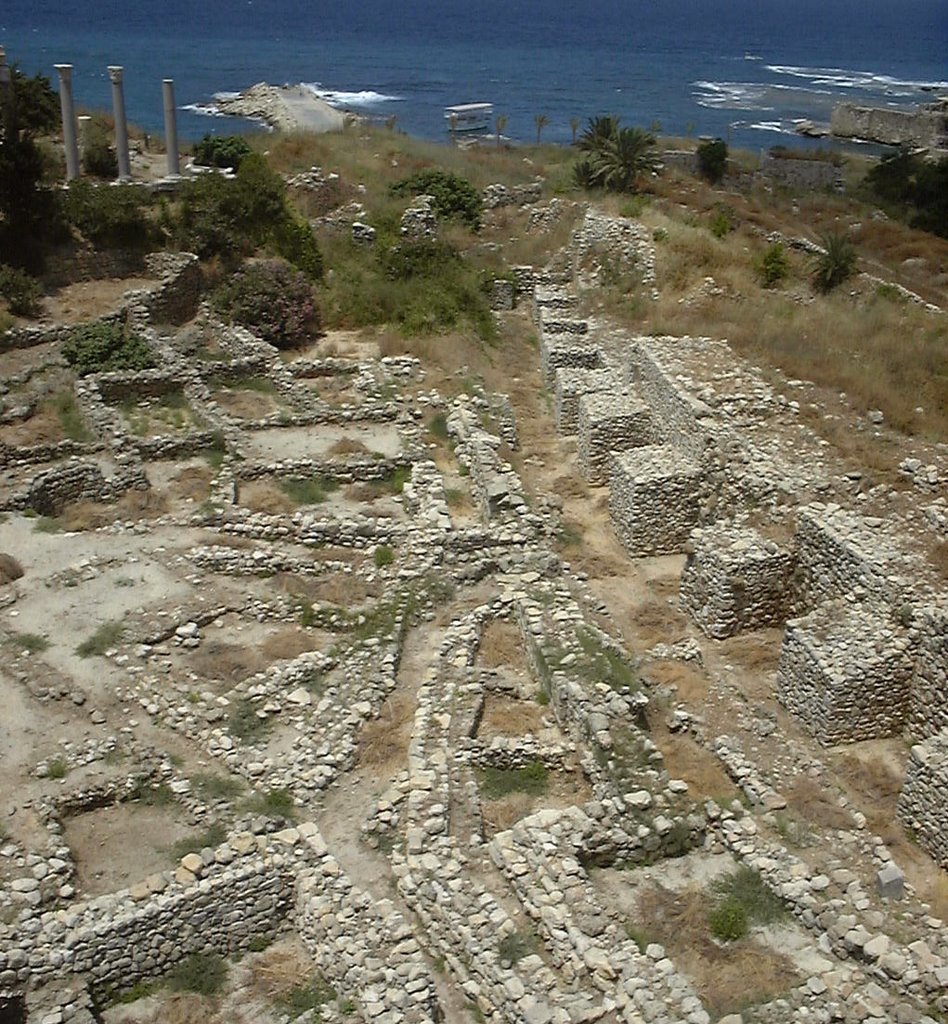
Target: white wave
773, 126
731, 95
336, 97
205, 109
845, 78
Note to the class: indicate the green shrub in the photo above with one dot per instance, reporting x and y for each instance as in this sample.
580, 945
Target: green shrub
455, 198
294, 240
298, 1000
221, 151
274, 300
98, 155
21, 291
745, 886
383, 555
230, 217
712, 160
203, 973
772, 266
275, 803
103, 347
312, 490
211, 837
113, 217
728, 920
56, 769
722, 223
835, 264
244, 723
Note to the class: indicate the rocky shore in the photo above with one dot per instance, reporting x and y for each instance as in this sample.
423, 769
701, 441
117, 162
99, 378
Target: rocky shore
287, 108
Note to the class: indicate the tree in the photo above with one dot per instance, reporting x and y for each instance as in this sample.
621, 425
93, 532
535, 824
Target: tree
28, 210
712, 160
835, 264
618, 157
541, 121
499, 125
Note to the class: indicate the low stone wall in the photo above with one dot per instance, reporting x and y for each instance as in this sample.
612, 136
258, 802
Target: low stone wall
65, 268
608, 423
558, 350
571, 384
801, 174
620, 243
923, 802
655, 499
929, 683
843, 554
926, 125
52, 490
734, 580
844, 672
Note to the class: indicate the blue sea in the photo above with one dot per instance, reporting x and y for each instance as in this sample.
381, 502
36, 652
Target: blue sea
742, 69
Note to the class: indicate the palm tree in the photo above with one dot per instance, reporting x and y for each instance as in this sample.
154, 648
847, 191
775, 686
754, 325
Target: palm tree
623, 158
541, 121
835, 263
574, 127
499, 125
598, 131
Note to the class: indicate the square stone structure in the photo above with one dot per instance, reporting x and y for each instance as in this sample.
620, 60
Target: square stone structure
558, 350
551, 303
609, 422
735, 579
655, 499
571, 384
923, 802
929, 684
844, 672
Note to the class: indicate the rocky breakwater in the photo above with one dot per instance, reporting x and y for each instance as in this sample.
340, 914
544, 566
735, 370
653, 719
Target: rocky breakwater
287, 108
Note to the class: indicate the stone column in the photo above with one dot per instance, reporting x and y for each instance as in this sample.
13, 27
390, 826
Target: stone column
69, 120
171, 128
121, 129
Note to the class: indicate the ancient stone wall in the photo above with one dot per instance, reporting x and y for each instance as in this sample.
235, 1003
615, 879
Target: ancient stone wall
926, 125
800, 174
844, 672
53, 489
929, 683
655, 499
571, 384
608, 422
923, 802
734, 580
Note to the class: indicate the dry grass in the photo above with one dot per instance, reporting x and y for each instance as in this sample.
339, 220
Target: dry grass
343, 589
505, 717
691, 683
810, 801
564, 789
754, 652
348, 446
10, 568
265, 496
501, 645
92, 515
383, 741
215, 660
728, 977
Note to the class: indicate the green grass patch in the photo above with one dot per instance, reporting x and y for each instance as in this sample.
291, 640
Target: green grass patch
31, 643
262, 385
64, 404
244, 723
274, 803
56, 769
728, 920
303, 998
499, 782
602, 663
310, 490
211, 837
216, 787
214, 454
746, 888
47, 524
202, 973
152, 795
103, 639
516, 946
383, 555
438, 426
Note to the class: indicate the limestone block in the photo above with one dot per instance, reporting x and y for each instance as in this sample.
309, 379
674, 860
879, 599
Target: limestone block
735, 579
608, 422
655, 499
844, 672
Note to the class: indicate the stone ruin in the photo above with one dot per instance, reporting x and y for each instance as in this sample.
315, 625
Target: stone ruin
683, 435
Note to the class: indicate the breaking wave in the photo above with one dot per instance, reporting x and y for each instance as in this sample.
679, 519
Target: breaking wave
843, 78
362, 98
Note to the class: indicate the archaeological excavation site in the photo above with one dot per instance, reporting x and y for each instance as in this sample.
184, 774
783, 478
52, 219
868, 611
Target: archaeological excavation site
581, 676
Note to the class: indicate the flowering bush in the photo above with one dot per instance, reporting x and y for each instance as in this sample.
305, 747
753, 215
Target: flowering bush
273, 300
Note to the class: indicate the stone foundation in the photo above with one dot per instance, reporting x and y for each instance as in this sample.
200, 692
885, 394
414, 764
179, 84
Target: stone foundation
923, 803
844, 672
608, 422
558, 350
571, 384
734, 580
929, 684
655, 499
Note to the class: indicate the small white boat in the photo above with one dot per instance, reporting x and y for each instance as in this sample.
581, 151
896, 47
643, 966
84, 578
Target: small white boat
469, 117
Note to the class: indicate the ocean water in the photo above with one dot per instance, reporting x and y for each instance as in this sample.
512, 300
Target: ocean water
743, 69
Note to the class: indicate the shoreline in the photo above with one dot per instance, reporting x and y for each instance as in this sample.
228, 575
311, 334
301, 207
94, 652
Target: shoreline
286, 108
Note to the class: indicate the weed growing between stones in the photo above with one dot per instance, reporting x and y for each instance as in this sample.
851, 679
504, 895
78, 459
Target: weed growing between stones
216, 787
103, 639
516, 946
383, 555
745, 888
243, 722
303, 998
310, 491
604, 664
47, 524
151, 795
57, 769
202, 973
274, 803
210, 837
